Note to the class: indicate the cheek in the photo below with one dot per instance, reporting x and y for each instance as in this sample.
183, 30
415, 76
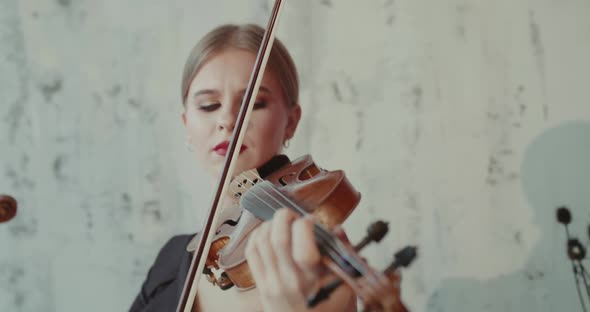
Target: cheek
199, 129
271, 130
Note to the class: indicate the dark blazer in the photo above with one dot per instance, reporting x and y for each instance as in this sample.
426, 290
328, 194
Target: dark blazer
163, 285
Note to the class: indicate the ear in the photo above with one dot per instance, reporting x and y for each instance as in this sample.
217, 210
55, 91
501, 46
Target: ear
183, 116
292, 121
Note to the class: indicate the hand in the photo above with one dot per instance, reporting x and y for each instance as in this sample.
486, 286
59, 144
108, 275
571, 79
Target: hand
284, 261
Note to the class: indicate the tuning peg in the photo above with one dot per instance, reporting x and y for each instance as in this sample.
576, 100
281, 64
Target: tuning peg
403, 258
323, 293
375, 233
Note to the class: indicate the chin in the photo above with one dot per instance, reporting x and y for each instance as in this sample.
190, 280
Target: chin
244, 165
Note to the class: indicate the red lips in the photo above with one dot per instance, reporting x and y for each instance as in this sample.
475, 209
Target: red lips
221, 148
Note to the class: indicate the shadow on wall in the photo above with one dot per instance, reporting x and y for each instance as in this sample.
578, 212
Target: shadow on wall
555, 172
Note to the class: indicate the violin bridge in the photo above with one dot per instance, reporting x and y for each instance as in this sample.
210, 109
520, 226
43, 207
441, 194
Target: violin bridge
243, 182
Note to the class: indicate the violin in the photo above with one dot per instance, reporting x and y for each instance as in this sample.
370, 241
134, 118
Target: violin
328, 195
300, 185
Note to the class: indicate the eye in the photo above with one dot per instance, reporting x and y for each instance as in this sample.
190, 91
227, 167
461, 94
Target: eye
260, 105
208, 107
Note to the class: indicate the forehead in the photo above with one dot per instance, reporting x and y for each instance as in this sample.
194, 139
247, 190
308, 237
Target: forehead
230, 70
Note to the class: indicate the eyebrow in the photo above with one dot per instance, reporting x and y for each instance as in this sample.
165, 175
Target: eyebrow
261, 89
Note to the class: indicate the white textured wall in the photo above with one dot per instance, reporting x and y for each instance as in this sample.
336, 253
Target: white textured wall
463, 123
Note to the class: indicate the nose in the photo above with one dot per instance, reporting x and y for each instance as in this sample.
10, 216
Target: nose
227, 119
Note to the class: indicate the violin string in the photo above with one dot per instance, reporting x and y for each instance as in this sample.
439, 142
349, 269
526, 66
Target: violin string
280, 204
370, 277
326, 237
288, 201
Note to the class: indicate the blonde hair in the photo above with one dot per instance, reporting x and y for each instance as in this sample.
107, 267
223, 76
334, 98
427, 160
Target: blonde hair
246, 37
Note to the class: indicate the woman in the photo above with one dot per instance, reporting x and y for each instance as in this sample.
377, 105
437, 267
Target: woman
281, 253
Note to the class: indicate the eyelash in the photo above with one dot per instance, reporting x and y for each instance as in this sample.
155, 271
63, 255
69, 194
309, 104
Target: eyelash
213, 106
209, 107
259, 104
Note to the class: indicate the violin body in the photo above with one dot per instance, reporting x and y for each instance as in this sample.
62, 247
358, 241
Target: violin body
327, 195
